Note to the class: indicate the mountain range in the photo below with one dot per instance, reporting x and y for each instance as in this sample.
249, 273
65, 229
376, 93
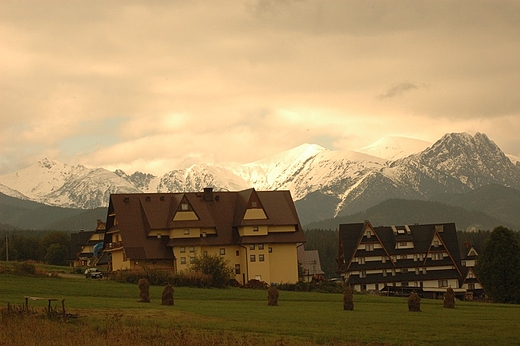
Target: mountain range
324, 183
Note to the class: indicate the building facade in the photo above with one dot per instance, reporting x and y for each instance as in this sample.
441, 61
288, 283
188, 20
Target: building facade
256, 232
401, 259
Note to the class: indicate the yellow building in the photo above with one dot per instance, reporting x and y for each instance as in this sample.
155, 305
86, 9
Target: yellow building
256, 232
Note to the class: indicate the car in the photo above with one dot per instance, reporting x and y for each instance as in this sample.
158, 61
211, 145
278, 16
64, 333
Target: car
337, 280
93, 273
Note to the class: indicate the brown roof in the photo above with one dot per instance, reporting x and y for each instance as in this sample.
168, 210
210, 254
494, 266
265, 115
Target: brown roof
138, 214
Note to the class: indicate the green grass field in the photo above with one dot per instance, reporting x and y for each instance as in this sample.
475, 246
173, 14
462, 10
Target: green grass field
313, 317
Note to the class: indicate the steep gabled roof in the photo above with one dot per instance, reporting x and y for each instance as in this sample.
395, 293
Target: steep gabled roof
310, 261
350, 235
138, 214
77, 242
421, 235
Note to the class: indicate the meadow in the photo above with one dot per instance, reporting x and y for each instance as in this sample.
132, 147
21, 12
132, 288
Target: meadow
110, 313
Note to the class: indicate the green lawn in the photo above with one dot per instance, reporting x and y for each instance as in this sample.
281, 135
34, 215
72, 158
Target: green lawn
311, 316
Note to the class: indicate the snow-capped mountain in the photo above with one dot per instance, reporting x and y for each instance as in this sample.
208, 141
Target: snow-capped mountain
323, 182
55, 183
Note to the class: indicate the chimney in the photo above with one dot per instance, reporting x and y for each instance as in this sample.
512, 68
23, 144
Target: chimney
208, 194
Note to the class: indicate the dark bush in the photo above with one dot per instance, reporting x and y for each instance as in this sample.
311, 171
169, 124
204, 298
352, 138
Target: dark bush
24, 268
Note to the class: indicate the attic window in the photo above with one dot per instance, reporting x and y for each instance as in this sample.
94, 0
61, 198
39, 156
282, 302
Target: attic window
184, 206
253, 204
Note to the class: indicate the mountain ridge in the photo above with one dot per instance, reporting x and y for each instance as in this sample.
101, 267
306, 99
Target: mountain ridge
324, 183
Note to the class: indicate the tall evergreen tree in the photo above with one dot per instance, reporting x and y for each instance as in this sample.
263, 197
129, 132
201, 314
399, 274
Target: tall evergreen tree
498, 266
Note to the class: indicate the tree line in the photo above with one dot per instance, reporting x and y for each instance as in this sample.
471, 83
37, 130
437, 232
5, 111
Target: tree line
49, 247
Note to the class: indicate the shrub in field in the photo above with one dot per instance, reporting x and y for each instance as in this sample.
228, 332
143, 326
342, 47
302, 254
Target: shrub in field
167, 295
192, 279
24, 268
216, 267
256, 284
272, 296
348, 299
155, 276
449, 298
144, 290
414, 302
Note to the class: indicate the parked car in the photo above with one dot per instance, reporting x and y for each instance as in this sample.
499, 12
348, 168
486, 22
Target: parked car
93, 273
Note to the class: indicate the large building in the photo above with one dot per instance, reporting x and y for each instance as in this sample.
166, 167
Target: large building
401, 259
257, 232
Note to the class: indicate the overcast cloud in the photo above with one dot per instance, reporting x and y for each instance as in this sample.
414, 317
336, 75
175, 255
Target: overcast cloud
160, 85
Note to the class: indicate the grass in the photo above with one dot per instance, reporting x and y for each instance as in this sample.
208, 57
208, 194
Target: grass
300, 316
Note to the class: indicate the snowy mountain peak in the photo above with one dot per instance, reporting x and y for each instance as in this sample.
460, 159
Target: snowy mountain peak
325, 183
394, 147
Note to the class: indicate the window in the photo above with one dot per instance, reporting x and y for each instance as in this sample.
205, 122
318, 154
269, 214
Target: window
402, 244
184, 206
424, 270
416, 271
252, 247
443, 283
361, 260
237, 268
404, 270
192, 259
369, 234
470, 275
260, 246
436, 256
261, 258
435, 243
384, 272
192, 249
186, 231
403, 257
183, 249
415, 257
363, 274
183, 260
222, 251
369, 247
237, 253
253, 204
252, 258
471, 286
383, 259
270, 250
255, 229
393, 272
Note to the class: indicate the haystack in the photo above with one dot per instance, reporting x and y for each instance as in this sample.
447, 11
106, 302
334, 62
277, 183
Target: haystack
167, 295
272, 296
144, 290
348, 299
414, 302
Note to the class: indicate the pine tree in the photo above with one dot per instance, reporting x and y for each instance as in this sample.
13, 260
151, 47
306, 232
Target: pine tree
498, 266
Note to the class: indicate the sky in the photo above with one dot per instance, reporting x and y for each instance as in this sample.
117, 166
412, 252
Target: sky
161, 85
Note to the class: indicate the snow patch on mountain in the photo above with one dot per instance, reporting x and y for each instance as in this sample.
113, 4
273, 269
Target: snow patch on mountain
394, 147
